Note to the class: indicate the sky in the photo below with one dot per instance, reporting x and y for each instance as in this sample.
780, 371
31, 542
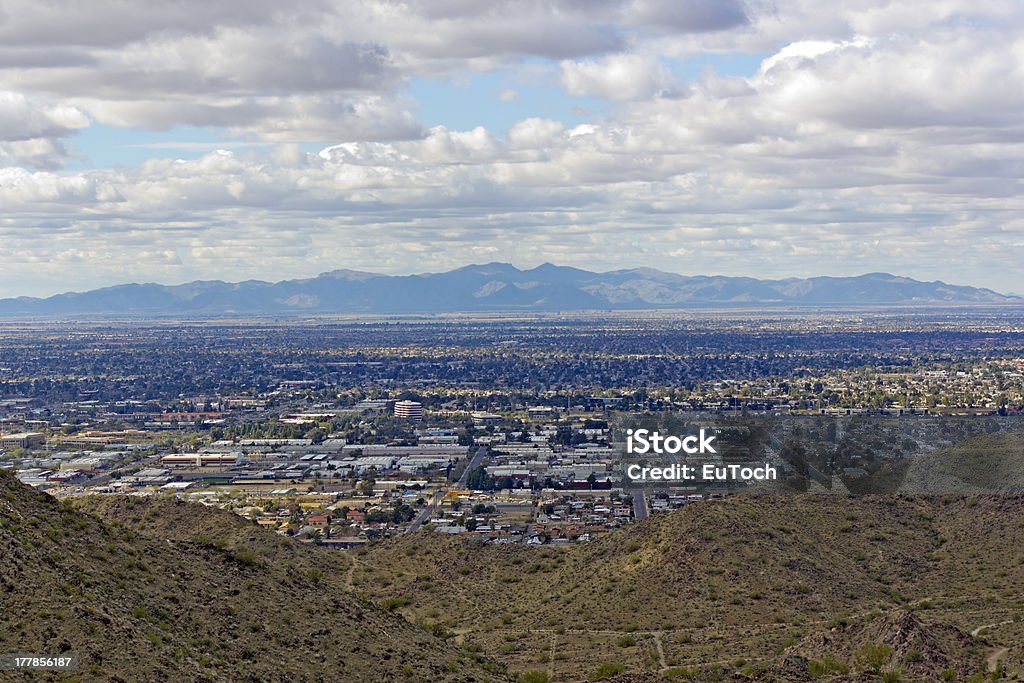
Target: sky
250, 139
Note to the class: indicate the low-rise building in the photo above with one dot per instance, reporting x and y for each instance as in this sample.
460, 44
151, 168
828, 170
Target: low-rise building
22, 440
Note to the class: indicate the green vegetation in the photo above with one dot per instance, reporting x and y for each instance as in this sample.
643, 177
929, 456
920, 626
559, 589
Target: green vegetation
873, 657
892, 675
749, 575
987, 463
772, 580
607, 670
533, 677
827, 665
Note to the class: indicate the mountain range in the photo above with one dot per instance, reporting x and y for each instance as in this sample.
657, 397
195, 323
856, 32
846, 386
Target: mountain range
498, 287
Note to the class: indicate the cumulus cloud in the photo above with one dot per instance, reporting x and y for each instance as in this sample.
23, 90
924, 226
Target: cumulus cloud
24, 119
689, 15
272, 118
618, 77
535, 133
31, 131
218, 63
116, 22
870, 136
198, 63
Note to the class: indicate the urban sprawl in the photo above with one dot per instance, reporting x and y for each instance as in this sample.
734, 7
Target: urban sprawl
503, 429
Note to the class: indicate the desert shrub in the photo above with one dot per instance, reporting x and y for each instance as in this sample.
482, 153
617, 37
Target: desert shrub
391, 604
245, 556
608, 669
892, 675
873, 657
828, 665
533, 677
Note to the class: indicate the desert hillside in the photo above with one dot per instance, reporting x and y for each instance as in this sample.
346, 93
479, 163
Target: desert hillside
765, 588
229, 604
768, 585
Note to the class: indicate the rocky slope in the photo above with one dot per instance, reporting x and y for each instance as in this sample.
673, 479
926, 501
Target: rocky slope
136, 604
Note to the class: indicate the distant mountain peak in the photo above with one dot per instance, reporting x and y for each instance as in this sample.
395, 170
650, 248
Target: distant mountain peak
347, 274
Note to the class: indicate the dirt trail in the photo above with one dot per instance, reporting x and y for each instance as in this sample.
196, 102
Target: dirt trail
350, 576
984, 627
551, 656
993, 659
661, 650
997, 654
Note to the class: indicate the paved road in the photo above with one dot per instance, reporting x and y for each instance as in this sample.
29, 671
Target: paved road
639, 504
473, 464
427, 512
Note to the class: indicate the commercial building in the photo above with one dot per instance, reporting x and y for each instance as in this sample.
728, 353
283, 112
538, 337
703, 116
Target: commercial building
23, 440
201, 460
410, 410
